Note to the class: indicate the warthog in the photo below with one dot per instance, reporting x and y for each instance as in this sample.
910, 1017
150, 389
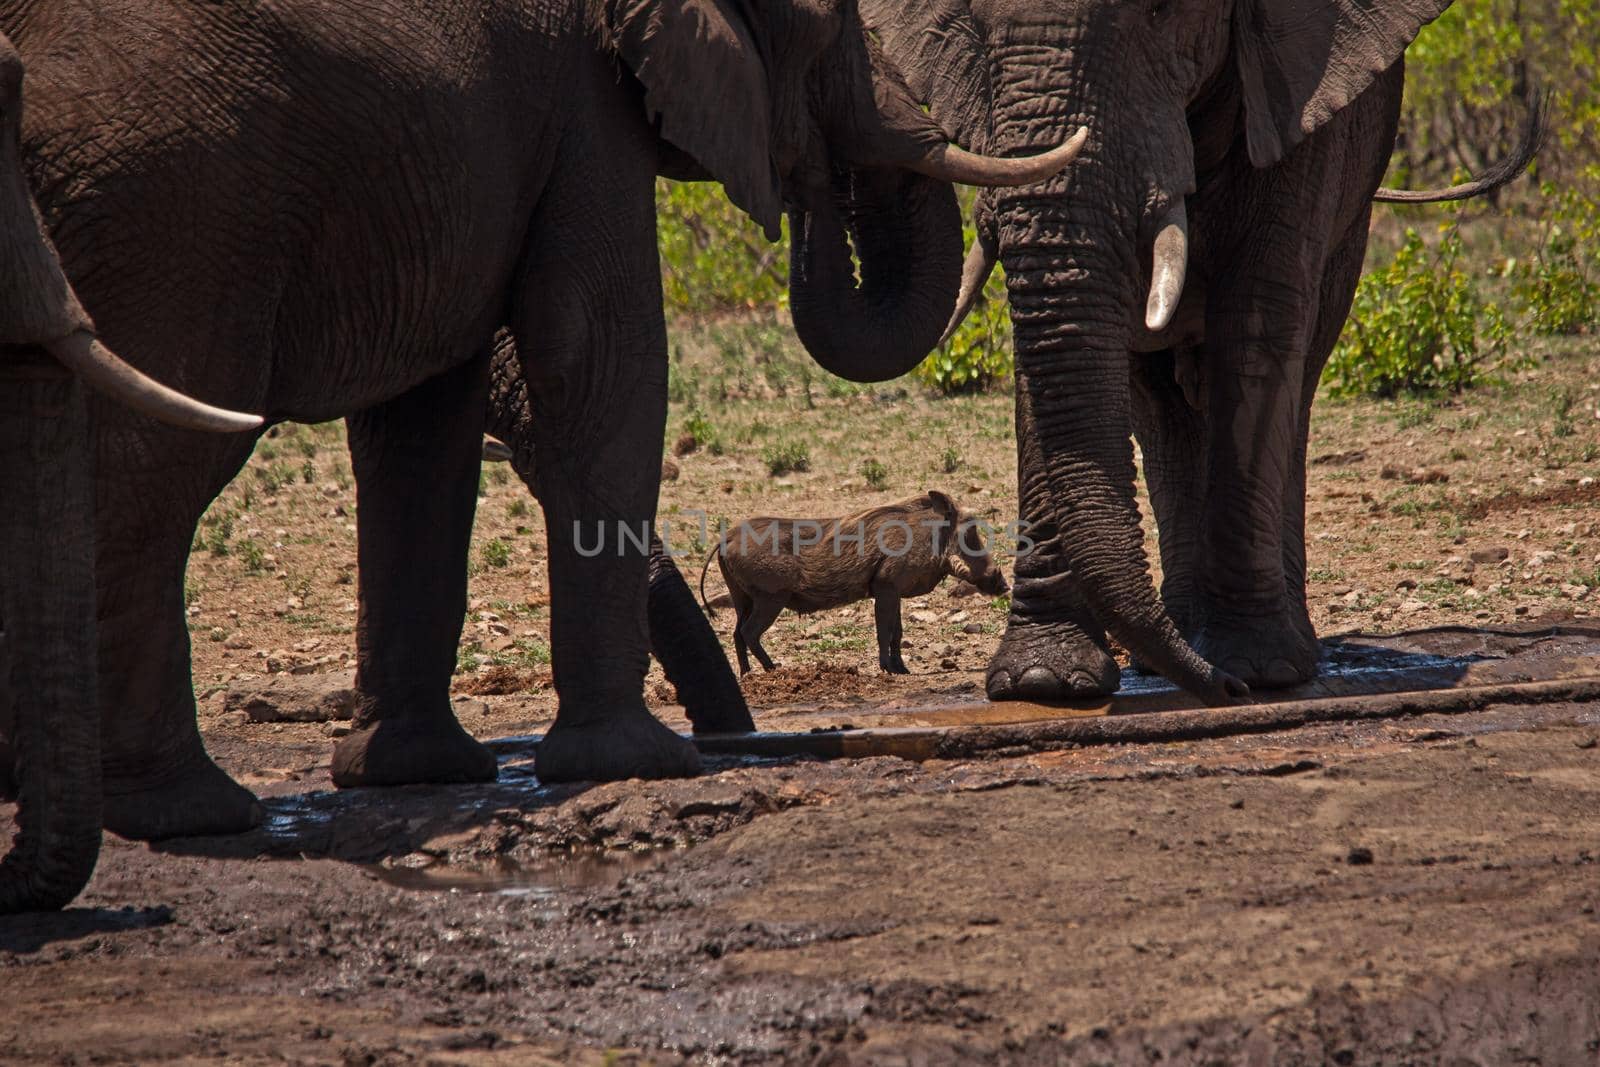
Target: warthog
886, 553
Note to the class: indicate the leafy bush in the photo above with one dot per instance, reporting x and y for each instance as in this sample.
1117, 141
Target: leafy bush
697, 426
1418, 324
495, 553
875, 473
713, 258
979, 355
1560, 287
787, 457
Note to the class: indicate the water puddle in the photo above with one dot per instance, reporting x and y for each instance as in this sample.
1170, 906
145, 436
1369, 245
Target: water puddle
543, 880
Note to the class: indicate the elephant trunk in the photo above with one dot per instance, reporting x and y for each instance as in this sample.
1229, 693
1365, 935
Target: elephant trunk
47, 635
905, 230
1073, 278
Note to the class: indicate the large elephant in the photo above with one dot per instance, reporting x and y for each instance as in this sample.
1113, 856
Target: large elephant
1212, 232
49, 706
322, 208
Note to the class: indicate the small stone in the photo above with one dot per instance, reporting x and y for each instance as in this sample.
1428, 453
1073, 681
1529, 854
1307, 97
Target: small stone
1586, 743
1359, 857
948, 663
1406, 583
1489, 555
972, 628
466, 706
336, 729
960, 616
1411, 607
924, 616
218, 633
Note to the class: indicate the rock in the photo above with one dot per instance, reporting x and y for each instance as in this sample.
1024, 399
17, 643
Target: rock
1406, 583
960, 616
238, 642
1359, 857
972, 628
336, 729
466, 706
1412, 607
317, 698
1489, 555
948, 663
924, 616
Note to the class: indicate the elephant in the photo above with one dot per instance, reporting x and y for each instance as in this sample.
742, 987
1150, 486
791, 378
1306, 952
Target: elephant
49, 710
320, 208
1234, 152
681, 638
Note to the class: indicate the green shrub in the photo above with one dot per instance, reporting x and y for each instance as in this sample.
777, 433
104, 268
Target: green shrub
1559, 289
698, 426
713, 258
979, 355
875, 473
252, 554
495, 553
950, 461
1417, 325
786, 457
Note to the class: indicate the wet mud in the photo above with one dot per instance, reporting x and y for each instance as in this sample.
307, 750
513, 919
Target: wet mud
1412, 890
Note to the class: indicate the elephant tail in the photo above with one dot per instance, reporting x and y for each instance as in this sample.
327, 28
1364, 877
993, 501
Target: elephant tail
715, 551
1535, 132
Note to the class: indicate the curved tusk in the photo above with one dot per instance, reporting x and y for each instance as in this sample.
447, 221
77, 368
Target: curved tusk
1170, 263
975, 271
101, 369
953, 164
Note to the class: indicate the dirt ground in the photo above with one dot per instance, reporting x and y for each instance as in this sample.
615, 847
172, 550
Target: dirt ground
1409, 892
1414, 891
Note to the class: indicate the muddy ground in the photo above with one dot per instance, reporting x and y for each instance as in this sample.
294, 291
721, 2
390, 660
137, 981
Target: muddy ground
1414, 891
1417, 891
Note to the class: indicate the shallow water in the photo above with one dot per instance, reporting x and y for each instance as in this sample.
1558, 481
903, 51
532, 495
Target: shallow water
590, 870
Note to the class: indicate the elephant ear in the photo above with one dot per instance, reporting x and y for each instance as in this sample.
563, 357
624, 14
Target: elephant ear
936, 46
705, 83
1300, 61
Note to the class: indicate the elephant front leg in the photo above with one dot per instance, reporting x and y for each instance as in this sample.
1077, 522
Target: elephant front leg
1172, 439
592, 343
415, 460
1246, 624
1053, 647
152, 486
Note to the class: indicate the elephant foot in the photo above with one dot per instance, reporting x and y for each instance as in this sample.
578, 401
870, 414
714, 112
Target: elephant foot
1050, 661
1269, 653
627, 744
201, 802
411, 751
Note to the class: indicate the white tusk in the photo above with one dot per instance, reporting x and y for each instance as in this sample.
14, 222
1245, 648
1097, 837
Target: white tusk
1170, 263
981, 258
102, 370
953, 164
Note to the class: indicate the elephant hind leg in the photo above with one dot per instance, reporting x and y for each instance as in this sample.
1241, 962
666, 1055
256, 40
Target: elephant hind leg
416, 460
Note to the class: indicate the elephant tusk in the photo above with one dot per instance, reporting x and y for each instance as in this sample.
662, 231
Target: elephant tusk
950, 163
101, 369
975, 271
1170, 263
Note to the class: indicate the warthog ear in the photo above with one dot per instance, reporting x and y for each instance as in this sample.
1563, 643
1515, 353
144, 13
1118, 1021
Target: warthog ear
949, 512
